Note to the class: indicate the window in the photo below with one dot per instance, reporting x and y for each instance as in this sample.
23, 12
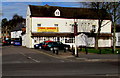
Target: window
93, 28
57, 12
71, 24
56, 25
39, 25
35, 41
69, 40
119, 39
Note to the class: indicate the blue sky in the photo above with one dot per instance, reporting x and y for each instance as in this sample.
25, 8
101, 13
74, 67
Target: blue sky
20, 8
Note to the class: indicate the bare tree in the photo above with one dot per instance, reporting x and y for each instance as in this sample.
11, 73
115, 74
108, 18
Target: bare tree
111, 8
100, 8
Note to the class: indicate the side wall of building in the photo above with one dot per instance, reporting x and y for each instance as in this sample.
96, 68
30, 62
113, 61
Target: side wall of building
66, 25
118, 39
28, 29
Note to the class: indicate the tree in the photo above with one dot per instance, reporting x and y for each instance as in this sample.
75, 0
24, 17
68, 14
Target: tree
100, 9
4, 22
8, 26
16, 20
113, 8
4, 25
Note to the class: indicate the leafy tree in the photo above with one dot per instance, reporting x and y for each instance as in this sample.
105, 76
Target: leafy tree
4, 22
16, 20
8, 26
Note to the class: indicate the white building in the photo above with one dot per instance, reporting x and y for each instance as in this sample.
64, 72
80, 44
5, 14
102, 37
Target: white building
16, 34
117, 35
57, 24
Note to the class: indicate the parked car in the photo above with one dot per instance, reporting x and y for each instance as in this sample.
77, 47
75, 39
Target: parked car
17, 43
12, 42
6, 42
55, 45
63, 46
39, 46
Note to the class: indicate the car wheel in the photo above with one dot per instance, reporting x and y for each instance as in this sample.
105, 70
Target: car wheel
66, 48
51, 49
40, 47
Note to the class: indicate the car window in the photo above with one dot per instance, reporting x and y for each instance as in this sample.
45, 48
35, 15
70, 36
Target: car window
55, 43
59, 42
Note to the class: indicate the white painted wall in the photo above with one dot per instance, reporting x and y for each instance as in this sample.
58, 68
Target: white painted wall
106, 26
28, 29
63, 24
84, 25
24, 41
104, 43
117, 37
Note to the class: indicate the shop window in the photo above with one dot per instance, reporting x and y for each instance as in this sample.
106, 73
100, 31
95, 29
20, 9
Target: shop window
69, 40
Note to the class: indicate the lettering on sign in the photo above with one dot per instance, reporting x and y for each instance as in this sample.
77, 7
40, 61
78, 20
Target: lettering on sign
47, 29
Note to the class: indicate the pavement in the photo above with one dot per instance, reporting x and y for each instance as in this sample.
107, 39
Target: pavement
82, 56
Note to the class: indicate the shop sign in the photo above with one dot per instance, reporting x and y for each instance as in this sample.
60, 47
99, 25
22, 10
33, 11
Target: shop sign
47, 29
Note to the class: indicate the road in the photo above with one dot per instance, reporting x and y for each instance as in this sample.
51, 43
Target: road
30, 63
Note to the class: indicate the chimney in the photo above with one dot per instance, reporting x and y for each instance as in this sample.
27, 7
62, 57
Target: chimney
47, 6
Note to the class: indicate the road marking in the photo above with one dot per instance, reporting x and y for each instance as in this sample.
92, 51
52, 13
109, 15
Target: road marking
30, 58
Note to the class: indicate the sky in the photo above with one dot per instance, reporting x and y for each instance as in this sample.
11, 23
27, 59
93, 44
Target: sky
11, 8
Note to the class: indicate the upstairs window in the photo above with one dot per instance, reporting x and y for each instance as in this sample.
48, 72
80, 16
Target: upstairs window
39, 25
56, 25
57, 12
93, 28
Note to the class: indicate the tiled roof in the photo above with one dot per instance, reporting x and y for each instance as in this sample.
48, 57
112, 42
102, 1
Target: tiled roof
66, 12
